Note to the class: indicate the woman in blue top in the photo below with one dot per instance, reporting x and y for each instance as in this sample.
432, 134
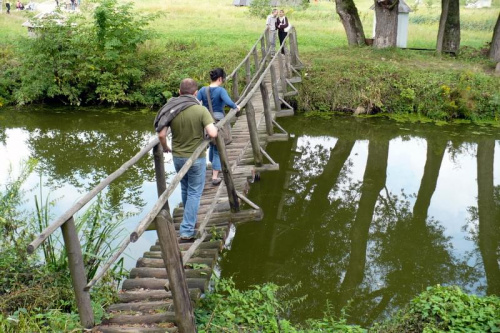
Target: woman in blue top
220, 99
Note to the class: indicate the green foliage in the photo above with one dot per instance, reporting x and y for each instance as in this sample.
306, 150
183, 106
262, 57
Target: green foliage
79, 60
446, 309
383, 81
260, 8
258, 309
37, 296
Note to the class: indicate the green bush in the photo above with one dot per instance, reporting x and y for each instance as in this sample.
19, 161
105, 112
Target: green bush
86, 60
446, 309
383, 81
260, 8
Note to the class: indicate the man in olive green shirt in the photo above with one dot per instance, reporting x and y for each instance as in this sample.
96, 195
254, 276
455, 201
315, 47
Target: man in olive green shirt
187, 129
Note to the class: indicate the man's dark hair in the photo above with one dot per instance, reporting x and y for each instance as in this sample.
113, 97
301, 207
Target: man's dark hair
188, 87
217, 73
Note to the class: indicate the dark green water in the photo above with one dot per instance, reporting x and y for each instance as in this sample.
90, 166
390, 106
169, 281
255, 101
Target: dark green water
366, 210
371, 212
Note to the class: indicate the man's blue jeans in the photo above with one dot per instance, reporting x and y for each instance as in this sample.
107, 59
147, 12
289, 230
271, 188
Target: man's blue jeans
192, 187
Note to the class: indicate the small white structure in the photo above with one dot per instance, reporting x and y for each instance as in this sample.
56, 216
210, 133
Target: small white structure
36, 23
478, 4
403, 20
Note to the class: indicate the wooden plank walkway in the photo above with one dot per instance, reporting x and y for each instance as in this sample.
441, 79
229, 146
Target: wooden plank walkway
144, 304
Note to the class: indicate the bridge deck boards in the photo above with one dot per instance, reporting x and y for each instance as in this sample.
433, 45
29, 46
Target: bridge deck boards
144, 305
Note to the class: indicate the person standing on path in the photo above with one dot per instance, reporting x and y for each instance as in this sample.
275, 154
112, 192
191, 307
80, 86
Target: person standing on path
220, 98
271, 25
7, 4
281, 25
190, 121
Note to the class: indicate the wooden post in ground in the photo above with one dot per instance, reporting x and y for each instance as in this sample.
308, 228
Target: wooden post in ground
267, 108
293, 47
161, 177
170, 252
254, 135
274, 85
236, 93
263, 47
228, 175
281, 64
248, 71
266, 37
77, 271
172, 259
256, 58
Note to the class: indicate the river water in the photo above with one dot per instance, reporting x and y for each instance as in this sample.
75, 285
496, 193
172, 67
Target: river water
365, 212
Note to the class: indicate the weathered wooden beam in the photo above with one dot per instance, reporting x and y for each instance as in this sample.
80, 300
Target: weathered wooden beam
256, 58
175, 270
254, 137
236, 93
77, 271
267, 109
248, 71
228, 176
274, 85
282, 73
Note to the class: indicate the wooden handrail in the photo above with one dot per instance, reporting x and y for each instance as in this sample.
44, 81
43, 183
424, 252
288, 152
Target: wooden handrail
89, 196
230, 76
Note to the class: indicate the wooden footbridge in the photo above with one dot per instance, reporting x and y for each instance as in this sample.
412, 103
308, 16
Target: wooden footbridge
160, 293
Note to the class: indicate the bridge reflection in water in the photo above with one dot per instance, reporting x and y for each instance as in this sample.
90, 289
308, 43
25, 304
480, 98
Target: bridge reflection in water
374, 212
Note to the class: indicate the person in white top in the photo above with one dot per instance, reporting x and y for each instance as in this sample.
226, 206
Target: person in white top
271, 26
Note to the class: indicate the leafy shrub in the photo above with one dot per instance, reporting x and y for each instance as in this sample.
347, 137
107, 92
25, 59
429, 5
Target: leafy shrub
258, 309
260, 8
78, 60
446, 309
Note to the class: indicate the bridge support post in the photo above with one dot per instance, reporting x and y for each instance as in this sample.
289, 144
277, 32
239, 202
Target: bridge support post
171, 254
172, 259
254, 135
267, 109
282, 69
228, 176
293, 48
77, 271
236, 93
263, 46
256, 58
248, 71
274, 85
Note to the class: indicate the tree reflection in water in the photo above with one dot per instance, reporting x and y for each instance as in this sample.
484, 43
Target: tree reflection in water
346, 240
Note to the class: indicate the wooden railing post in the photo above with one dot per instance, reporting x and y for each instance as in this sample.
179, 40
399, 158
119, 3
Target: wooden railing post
254, 135
167, 238
228, 175
77, 271
172, 259
274, 85
282, 74
248, 71
161, 177
293, 48
256, 58
266, 36
236, 93
267, 109
263, 46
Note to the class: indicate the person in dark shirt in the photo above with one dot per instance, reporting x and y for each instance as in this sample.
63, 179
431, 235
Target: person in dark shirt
281, 25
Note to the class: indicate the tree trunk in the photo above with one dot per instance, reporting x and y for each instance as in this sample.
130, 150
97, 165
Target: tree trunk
487, 235
348, 13
494, 53
449, 27
386, 28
